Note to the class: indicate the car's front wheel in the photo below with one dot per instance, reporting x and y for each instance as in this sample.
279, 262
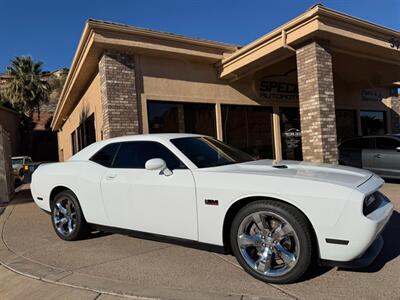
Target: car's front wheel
272, 241
67, 217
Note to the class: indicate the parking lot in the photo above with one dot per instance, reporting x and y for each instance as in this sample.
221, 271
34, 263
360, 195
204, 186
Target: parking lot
128, 266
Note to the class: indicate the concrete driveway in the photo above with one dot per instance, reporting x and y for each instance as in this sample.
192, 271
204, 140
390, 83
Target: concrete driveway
133, 267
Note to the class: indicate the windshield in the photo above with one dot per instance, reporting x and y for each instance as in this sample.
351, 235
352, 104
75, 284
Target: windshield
17, 161
207, 152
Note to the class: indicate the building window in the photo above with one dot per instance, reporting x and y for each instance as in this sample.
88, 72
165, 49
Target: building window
373, 122
84, 135
346, 124
249, 128
73, 142
291, 133
169, 117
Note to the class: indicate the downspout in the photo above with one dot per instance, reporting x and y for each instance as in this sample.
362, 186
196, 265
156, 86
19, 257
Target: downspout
284, 41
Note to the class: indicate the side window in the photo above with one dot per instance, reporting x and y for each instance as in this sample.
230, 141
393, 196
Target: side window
134, 155
106, 155
368, 143
357, 144
387, 143
353, 144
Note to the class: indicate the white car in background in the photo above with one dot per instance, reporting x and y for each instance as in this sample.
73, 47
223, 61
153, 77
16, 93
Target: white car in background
274, 216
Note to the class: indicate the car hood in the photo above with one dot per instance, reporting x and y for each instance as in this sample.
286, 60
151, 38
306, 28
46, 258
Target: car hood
345, 176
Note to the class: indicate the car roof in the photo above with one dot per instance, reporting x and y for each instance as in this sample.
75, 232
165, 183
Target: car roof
152, 136
396, 136
19, 157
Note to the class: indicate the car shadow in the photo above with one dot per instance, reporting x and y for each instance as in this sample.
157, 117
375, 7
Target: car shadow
313, 272
95, 234
391, 248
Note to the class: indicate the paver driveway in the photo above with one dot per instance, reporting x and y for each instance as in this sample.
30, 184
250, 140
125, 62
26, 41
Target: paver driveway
131, 266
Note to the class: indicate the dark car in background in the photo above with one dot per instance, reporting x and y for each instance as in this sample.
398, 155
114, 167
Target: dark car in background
379, 154
28, 170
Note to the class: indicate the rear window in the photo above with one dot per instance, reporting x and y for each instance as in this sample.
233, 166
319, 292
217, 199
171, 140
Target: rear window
105, 156
17, 161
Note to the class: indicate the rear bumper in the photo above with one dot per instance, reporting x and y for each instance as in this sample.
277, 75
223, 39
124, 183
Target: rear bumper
365, 260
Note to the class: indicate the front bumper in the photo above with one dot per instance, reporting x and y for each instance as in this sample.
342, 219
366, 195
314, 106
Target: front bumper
365, 260
356, 233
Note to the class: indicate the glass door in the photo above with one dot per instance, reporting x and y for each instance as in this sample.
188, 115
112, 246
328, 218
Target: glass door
291, 133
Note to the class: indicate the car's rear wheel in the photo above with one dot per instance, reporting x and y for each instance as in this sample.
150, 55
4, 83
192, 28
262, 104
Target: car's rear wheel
272, 241
67, 217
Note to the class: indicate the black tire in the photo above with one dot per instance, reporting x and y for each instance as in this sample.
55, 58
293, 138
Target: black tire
81, 228
298, 223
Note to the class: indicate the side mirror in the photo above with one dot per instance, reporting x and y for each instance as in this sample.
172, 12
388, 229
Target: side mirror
158, 164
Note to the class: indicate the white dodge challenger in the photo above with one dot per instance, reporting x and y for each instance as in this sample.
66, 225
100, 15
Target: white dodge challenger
274, 216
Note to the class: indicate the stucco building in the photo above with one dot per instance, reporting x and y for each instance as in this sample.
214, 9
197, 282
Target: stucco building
293, 93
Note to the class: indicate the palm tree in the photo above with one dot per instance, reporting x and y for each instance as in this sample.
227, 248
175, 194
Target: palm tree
26, 90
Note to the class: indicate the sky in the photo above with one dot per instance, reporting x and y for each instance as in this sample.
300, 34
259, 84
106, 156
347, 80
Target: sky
49, 31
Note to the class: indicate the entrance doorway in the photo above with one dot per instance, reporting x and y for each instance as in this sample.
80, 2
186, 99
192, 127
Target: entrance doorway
249, 128
346, 124
290, 133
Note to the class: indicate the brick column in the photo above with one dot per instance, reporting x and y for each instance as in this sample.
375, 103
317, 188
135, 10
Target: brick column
317, 102
118, 94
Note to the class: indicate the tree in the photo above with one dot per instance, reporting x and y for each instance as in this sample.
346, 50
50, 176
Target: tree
26, 89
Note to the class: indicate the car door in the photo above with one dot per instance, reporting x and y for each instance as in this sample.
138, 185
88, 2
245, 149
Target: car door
367, 152
147, 200
350, 153
386, 158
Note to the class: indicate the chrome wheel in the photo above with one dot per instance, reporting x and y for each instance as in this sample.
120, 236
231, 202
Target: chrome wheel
268, 243
64, 216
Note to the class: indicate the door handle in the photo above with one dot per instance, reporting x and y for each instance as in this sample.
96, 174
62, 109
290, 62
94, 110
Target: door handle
378, 155
111, 176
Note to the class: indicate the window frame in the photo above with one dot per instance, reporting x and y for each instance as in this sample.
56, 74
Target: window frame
184, 166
